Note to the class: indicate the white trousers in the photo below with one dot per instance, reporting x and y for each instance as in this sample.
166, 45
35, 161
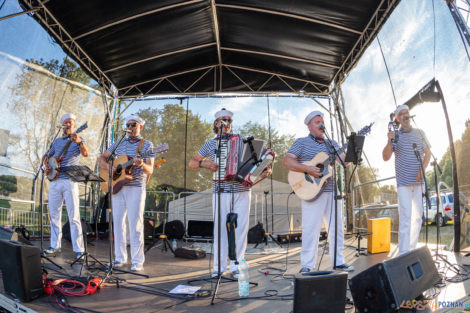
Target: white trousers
59, 190
241, 206
313, 213
129, 204
410, 210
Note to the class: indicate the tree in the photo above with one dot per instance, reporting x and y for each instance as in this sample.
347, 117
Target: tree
280, 145
168, 125
462, 151
366, 193
39, 98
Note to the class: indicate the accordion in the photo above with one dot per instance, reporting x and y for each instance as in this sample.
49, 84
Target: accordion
237, 160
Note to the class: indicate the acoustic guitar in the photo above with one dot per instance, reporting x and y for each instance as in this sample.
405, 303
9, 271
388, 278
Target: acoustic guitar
124, 165
308, 187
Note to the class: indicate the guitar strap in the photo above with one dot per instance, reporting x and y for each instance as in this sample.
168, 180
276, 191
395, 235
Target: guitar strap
139, 151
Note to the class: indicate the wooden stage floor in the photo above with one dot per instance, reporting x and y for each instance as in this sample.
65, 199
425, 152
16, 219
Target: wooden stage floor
274, 292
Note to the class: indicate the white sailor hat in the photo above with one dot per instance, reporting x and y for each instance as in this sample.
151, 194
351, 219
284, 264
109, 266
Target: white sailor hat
223, 112
67, 116
399, 108
135, 117
311, 115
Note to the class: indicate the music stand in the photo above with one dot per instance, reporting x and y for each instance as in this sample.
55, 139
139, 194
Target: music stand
82, 174
354, 150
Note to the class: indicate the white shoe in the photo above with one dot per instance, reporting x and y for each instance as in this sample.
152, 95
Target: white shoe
117, 264
137, 267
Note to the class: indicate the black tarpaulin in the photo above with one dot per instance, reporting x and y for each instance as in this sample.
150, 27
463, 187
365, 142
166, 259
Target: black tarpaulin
148, 47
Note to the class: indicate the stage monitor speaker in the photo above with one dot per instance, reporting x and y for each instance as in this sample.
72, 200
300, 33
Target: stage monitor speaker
203, 229
8, 234
384, 286
320, 293
86, 227
21, 270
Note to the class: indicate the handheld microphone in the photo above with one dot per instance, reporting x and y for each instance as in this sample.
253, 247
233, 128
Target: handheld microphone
321, 126
415, 149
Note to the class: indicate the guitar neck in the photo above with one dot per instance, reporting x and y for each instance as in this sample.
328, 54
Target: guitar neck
131, 161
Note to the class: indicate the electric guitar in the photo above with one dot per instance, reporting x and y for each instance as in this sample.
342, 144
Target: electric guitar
124, 165
308, 187
54, 163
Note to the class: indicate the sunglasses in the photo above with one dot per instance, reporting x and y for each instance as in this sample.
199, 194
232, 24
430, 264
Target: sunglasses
131, 124
228, 120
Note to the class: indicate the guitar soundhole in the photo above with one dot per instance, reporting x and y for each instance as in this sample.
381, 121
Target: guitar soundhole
321, 167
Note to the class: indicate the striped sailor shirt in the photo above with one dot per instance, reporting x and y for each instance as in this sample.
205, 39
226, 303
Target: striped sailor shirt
406, 163
72, 156
306, 148
129, 148
208, 151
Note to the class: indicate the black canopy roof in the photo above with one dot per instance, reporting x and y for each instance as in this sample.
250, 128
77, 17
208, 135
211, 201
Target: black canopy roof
149, 47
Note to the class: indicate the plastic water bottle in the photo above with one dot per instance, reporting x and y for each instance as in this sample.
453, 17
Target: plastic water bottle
174, 244
243, 279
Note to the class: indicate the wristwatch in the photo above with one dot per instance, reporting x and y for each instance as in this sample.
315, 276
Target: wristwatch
200, 163
81, 143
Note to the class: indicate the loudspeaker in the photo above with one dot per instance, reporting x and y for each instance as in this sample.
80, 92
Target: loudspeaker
149, 229
8, 234
384, 286
86, 228
320, 293
21, 270
203, 229
256, 233
175, 229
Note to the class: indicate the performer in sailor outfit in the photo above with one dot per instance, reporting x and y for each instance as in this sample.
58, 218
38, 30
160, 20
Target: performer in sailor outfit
129, 202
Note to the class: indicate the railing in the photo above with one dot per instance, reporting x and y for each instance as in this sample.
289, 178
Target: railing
368, 211
185, 209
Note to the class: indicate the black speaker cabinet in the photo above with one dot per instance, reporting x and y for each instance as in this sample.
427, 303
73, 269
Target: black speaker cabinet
8, 234
384, 286
320, 293
21, 270
203, 229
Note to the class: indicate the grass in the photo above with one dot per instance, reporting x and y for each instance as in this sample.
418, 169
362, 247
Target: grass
446, 234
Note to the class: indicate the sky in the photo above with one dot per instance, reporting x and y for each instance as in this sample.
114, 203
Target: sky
407, 41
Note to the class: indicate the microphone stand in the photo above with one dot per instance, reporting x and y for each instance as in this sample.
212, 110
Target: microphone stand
41, 200
219, 176
333, 155
110, 269
426, 192
438, 201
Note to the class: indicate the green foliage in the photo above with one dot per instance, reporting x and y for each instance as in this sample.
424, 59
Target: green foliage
365, 194
462, 151
37, 101
168, 125
67, 69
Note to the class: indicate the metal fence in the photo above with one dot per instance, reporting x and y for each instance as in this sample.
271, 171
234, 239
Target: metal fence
277, 216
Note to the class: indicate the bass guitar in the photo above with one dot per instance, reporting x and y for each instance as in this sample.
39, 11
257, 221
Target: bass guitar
308, 187
54, 163
124, 165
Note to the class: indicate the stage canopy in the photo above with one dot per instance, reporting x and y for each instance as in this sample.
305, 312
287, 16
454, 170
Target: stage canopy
148, 47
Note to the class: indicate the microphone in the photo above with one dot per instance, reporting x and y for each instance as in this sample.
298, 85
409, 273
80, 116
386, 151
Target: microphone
321, 126
409, 117
223, 123
415, 149
126, 131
